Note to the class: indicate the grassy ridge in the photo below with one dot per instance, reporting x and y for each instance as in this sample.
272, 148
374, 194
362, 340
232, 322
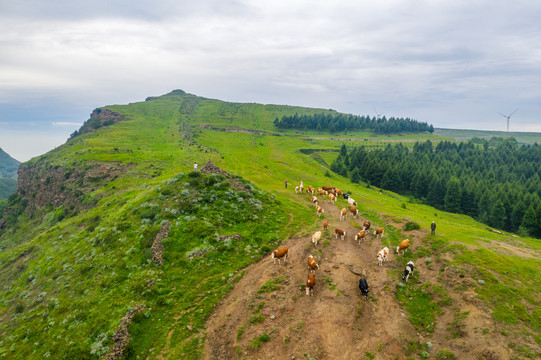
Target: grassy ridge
67, 283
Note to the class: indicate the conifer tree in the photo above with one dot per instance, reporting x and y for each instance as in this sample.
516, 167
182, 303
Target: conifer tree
453, 197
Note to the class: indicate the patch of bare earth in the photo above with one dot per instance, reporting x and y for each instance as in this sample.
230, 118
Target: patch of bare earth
337, 322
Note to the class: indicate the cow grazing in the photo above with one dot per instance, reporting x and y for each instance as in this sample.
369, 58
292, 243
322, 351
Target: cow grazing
403, 246
339, 232
328, 188
363, 286
315, 200
343, 214
310, 283
379, 232
297, 189
312, 264
338, 192
279, 254
366, 225
353, 210
332, 198
301, 189
345, 196
407, 271
311, 190
382, 255
352, 202
319, 210
325, 225
360, 236
316, 237
322, 192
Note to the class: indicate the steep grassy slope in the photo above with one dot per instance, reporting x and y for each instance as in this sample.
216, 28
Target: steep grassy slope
8, 175
74, 264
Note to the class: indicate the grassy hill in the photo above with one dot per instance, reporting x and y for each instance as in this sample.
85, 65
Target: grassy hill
81, 244
8, 174
460, 134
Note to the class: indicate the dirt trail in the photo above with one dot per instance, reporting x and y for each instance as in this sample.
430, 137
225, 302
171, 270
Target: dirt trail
337, 322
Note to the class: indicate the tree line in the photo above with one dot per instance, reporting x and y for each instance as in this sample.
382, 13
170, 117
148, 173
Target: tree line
348, 122
496, 181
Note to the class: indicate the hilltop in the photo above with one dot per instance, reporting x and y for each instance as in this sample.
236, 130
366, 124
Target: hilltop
113, 246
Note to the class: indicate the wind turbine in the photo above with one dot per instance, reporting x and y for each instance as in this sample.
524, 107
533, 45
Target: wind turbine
378, 115
508, 117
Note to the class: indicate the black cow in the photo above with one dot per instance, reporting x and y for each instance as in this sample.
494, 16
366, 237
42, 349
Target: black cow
407, 271
346, 195
363, 285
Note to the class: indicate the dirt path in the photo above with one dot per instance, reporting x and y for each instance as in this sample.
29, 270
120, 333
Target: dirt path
336, 323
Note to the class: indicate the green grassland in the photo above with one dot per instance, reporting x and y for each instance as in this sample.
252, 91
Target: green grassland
461, 134
67, 281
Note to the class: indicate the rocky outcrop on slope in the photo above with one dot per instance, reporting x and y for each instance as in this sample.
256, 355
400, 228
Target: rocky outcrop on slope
210, 168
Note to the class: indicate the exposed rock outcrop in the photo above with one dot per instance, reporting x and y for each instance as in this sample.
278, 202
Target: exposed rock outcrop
121, 338
157, 247
210, 168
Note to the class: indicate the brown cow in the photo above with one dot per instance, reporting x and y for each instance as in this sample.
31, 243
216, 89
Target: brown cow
353, 210
310, 283
319, 210
366, 225
379, 232
403, 246
339, 232
279, 253
360, 236
325, 225
343, 214
312, 264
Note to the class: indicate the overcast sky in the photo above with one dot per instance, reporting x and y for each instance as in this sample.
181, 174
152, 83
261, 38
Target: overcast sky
451, 63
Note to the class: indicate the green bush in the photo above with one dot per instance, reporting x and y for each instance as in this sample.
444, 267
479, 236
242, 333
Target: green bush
411, 225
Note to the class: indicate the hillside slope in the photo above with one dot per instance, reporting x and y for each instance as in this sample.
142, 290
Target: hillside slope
113, 247
8, 174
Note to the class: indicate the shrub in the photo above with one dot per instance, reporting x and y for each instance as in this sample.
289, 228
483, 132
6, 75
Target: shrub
411, 225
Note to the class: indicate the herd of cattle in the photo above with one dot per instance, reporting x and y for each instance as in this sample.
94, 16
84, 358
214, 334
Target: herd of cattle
332, 194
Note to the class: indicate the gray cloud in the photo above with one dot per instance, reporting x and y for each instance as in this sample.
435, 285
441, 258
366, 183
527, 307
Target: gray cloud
452, 64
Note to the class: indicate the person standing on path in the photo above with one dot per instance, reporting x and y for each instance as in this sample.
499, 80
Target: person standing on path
286, 183
195, 166
433, 228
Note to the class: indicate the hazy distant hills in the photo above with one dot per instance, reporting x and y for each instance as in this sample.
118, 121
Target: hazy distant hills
8, 174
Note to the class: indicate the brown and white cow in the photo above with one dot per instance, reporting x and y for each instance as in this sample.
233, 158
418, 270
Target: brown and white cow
325, 225
339, 232
366, 225
332, 198
312, 263
310, 283
279, 254
360, 236
322, 192
316, 237
328, 188
382, 255
379, 232
353, 210
352, 202
343, 214
403, 246
319, 210
338, 192
314, 200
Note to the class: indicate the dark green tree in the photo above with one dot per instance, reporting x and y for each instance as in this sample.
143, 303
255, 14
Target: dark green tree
453, 197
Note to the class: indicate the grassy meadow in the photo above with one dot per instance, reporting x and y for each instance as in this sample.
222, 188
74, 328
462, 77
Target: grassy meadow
67, 282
